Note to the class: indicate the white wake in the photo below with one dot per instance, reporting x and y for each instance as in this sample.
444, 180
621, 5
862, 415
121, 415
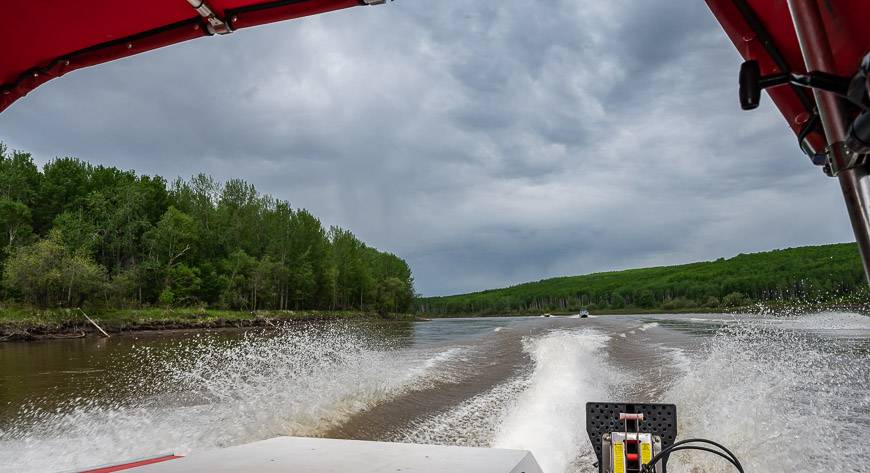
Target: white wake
209, 395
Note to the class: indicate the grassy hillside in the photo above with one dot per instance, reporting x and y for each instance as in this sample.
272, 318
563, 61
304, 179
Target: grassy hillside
829, 273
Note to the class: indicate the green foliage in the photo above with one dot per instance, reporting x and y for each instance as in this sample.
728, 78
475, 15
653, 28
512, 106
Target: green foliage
19, 177
617, 301
172, 237
77, 233
167, 297
712, 302
733, 299
47, 274
818, 273
14, 222
678, 303
197, 242
646, 299
185, 285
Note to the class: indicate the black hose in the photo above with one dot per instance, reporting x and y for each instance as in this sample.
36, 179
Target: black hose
728, 455
700, 440
648, 467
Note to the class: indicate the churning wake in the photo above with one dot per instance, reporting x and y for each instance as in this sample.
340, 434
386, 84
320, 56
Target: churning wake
542, 410
569, 370
781, 396
206, 394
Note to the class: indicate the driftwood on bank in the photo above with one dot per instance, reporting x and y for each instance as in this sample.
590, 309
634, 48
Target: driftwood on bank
94, 324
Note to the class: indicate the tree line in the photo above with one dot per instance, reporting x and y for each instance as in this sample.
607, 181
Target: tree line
828, 273
77, 234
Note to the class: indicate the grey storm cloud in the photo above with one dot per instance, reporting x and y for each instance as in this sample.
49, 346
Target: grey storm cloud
488, 143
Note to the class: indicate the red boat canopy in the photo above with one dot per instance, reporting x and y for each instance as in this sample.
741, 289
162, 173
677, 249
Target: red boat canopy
763, 30
44, 39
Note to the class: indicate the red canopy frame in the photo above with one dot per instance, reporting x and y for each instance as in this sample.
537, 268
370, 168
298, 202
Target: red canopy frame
802, 36
763, 30
44, 39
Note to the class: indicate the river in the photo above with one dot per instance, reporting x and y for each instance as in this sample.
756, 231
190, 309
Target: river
786, 394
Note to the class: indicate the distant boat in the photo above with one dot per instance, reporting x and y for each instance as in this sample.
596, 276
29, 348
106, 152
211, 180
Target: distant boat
547, 314
584, 313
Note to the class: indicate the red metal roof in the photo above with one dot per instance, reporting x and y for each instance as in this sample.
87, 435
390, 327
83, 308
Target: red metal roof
44, 39
846, 23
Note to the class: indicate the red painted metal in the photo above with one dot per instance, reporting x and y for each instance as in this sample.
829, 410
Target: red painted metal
244, 18
845, 23
44, 39
133, 464
41, 40
817, 50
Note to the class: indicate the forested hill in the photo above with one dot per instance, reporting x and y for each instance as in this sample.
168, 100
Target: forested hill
809, 274
75, 234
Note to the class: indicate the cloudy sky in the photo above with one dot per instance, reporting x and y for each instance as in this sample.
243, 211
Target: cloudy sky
487, 142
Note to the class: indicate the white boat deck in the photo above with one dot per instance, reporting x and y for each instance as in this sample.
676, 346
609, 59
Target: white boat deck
315, 455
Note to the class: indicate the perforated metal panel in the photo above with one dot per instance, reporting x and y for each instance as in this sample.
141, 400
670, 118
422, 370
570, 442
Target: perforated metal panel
603, 418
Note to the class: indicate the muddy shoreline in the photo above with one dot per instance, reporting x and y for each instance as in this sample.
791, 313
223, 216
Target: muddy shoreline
26, 331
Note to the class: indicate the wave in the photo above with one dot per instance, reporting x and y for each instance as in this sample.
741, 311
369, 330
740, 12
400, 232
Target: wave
781, 400
208, 394
647, 326
828, 321
542, 410
570, 369
473, 423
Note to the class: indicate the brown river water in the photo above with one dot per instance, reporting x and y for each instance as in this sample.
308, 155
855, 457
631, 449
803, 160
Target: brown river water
785, 394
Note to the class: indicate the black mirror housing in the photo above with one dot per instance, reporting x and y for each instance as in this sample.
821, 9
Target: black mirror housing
750, 85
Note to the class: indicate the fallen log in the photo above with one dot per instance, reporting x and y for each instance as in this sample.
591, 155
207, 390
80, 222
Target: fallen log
94, 323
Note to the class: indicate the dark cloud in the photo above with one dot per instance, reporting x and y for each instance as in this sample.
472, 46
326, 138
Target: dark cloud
489, 143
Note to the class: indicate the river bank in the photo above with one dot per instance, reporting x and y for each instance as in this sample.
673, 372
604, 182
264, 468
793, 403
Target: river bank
30, 324
768, 308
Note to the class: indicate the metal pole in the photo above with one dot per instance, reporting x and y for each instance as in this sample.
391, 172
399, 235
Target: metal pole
854, 181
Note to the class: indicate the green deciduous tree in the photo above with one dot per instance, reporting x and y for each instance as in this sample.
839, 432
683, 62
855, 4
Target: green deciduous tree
197, 243
14, 222
46, 273
733, 299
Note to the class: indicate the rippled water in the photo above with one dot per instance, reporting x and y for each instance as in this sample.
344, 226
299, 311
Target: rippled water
786, 394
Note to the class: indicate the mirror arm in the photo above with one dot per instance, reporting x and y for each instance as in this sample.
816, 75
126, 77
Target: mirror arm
752, 83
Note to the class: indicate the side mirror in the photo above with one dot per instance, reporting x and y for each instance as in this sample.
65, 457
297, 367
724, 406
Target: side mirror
750, 85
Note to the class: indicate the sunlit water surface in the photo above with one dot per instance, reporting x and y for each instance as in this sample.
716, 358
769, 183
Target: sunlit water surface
786, 394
